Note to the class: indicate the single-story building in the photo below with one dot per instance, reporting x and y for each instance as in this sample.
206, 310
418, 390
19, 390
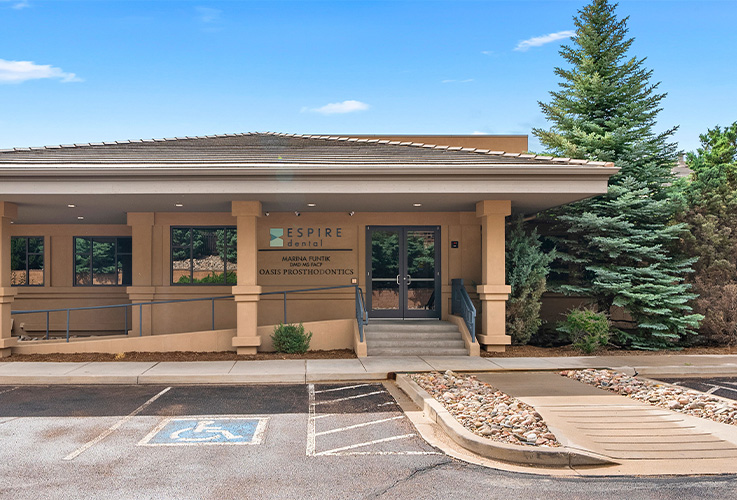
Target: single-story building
191, 243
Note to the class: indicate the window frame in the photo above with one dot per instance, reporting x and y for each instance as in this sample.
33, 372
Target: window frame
27, 253
191, 229
115, 256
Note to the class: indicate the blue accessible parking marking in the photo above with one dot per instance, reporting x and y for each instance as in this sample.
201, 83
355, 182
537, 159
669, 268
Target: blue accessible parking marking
191, 431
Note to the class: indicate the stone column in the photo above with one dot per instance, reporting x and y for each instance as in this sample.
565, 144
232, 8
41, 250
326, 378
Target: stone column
493, 291
142, 289
247, 292
8, 212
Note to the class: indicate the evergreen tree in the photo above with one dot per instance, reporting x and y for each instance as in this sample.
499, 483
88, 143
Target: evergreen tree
620, 246
527, 271
711, 195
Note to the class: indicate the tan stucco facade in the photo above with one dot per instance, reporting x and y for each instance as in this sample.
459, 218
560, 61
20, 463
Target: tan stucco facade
463, 237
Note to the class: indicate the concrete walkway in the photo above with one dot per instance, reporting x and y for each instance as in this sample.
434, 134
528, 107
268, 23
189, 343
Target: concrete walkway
643, 439
325, 370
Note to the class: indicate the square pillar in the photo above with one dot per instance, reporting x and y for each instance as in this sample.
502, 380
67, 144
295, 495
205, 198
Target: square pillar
247, 292
8, 212
493, 291
142, 289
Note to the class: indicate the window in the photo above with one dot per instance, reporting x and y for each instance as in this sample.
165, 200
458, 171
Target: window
203, 256
27, 261
104, 261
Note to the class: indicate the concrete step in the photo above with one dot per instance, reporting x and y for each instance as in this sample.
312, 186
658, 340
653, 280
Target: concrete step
411, 335
407, 326
414, 351
450, 344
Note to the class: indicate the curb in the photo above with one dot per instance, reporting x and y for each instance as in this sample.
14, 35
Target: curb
541, 457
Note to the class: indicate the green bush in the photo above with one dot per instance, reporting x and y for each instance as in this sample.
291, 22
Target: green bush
291, 339
586, 329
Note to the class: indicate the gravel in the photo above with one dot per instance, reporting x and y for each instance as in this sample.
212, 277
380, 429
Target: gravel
486, 411
668, 396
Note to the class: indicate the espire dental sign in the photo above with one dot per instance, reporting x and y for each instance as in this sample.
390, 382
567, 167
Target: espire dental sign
303, 237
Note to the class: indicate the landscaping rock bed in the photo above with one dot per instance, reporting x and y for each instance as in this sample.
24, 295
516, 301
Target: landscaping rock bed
486, 411
663, 395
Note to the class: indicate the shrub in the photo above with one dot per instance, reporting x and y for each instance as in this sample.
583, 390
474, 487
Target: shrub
527, 271
586, 329
291, 339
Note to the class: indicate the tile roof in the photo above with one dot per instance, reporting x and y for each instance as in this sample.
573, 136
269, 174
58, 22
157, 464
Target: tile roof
273, 148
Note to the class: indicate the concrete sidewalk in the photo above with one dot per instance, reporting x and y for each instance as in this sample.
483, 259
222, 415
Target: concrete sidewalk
328, 370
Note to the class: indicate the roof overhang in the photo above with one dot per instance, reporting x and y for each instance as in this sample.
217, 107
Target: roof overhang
105, 193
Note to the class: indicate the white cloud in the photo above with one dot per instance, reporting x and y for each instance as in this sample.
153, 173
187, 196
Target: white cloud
467, 80
208, 15
17, 4
537, 41
487, 52
21, 71
340, 107
476, 132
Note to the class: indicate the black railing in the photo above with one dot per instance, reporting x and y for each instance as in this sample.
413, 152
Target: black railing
461, 305
361, 314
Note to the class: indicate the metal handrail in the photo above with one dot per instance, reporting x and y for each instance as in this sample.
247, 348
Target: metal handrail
361, 313
125, 306
462, 306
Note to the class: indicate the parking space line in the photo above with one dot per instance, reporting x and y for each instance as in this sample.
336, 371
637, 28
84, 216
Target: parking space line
367, 443
311, 421
9, 390
715, 388
373, 422
114, 427
364, 453
342, 388
324, 415
350, 397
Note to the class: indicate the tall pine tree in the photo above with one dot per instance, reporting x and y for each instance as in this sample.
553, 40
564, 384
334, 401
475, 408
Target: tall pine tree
620, 246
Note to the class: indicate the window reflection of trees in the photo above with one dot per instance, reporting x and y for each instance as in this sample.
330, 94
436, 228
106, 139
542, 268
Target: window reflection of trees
204, 255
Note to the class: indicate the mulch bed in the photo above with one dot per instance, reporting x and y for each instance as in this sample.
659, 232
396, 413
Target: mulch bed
530, 351
180, 356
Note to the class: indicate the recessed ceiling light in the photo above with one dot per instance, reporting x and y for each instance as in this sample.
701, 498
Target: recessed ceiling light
417, 204
72, 205
80, 217
311, 205
178, 204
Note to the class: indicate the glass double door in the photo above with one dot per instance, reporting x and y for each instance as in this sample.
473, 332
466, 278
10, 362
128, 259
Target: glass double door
403, 271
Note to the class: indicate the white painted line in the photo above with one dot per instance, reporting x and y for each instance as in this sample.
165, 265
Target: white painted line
356, 426
713, 389
311, 421
9, 390
355, 453
323, 415
367, 443
342, 388
112, 429
350, 397
386, 404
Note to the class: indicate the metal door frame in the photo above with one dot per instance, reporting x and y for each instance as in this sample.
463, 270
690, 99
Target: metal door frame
403, 312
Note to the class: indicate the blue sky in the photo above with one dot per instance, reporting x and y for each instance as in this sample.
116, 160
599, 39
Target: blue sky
88, 71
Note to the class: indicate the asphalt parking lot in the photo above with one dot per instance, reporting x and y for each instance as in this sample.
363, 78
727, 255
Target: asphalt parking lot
725, 387
327, 441
182, 441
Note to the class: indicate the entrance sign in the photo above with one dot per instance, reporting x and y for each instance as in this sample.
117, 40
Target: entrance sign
206, 431
314, 255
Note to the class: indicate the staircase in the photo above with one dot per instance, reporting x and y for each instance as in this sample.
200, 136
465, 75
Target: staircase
413, 338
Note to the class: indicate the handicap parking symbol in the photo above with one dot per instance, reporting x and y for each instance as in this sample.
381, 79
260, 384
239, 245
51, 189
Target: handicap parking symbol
220, 430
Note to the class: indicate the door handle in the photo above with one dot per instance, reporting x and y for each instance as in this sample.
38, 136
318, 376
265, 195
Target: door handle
397, 279
409, 279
